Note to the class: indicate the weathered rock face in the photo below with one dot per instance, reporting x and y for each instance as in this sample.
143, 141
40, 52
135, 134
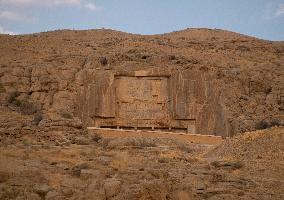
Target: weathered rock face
200, 81
156, 98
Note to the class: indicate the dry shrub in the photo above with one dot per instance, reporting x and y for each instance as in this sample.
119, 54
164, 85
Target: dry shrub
228, 164
27, 108
13, 97
262, 125
172, 57
96, 137
37, 118
103, 61
24, 106
66, 114
275, 122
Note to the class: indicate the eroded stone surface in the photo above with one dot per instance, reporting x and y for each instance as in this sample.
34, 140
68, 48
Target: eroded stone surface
211, 81
185, 100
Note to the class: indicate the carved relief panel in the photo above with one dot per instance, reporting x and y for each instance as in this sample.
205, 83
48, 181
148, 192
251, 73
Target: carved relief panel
142, 101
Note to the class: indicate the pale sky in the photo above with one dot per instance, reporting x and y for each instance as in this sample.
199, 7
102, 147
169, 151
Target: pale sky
260, 18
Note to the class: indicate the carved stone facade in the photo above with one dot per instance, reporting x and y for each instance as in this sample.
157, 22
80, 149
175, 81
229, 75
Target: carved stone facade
182, 101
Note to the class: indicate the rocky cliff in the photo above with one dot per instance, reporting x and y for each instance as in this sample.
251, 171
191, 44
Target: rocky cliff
217, 82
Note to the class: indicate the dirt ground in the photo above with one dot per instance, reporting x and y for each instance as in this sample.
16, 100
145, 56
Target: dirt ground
248, 166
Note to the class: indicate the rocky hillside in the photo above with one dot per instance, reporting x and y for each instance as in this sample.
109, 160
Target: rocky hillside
45, 75
49, 166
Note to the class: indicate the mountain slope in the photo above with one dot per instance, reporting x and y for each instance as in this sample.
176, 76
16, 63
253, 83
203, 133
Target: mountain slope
52, 69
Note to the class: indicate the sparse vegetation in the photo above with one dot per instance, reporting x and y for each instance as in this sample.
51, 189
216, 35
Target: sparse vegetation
13, 97
243, 48
37, 118
262, 125
233, 165
144, 57
16, 103
172, 57
275, 122
66, 114
96, 137
185, 148
142, 142
268, 90
103, 61
27, 108
24, 106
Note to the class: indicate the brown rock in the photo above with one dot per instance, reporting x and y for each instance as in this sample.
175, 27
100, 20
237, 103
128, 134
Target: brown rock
112, 187
51, 195
4, 176
42, 190
182, 195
